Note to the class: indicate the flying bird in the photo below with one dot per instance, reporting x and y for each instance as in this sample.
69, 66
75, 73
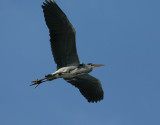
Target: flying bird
63, 46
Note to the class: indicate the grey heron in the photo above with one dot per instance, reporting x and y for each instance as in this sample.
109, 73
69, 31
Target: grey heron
63, 46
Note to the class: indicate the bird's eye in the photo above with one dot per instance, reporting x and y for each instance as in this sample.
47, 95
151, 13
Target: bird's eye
89, 63
81, 64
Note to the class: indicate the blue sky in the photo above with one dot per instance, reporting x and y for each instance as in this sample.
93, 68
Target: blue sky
122, 34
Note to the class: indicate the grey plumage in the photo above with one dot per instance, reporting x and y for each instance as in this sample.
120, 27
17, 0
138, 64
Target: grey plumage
63, 45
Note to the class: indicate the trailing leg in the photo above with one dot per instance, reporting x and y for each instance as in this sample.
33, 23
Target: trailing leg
37, 82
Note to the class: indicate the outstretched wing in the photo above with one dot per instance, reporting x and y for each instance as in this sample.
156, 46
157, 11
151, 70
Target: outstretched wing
89, 86
62, 35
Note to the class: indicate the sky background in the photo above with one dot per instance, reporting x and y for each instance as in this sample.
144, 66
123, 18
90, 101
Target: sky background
122, 34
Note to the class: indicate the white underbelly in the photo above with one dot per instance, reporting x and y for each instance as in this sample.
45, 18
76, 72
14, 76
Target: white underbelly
69, 72
70, 75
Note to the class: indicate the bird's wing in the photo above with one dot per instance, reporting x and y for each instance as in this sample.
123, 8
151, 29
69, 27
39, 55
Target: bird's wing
89, 86
62, 34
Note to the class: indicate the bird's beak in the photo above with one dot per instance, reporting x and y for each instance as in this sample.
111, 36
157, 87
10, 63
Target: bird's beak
95, 65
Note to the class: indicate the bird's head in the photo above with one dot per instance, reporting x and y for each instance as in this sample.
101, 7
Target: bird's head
94, 65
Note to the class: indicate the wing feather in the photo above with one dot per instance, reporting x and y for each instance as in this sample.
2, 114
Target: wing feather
62, 35
89, 86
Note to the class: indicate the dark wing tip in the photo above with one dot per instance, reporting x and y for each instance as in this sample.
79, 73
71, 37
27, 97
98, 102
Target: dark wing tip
89, 87
48, 3
94, 96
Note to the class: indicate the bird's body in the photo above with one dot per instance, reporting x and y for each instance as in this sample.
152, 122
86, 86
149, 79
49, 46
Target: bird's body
63, 46
71, 71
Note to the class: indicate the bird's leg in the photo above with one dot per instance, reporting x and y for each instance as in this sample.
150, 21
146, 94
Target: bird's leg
38, 81
48, 77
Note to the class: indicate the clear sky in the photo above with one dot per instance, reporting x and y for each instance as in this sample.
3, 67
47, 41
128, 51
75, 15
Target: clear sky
122, 34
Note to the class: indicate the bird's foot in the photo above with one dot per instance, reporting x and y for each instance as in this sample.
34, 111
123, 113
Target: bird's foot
37, 82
